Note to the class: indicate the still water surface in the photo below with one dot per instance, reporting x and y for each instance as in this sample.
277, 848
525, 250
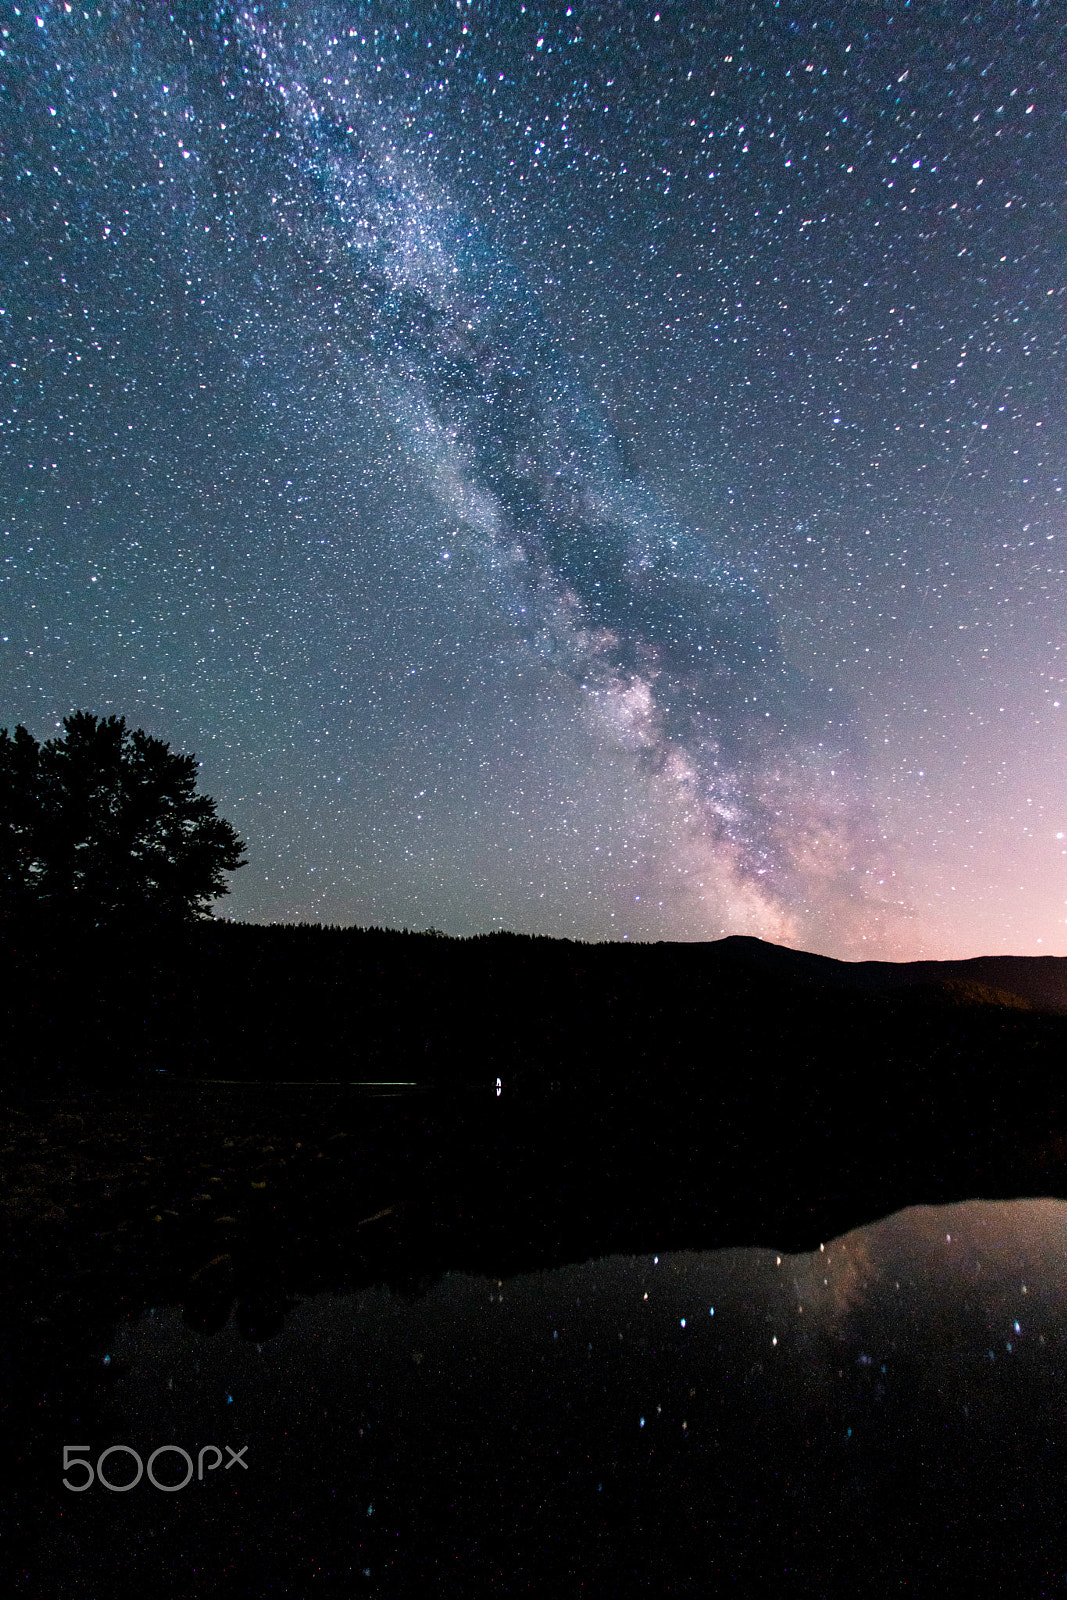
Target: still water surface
888, 1410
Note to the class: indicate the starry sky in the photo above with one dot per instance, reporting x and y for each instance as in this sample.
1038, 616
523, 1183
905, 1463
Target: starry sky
586, 469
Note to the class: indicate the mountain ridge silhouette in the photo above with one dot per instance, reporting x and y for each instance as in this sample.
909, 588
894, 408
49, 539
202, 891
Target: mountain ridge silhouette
1041, 980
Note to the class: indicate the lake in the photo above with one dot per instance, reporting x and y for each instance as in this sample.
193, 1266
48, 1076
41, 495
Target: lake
885, 1413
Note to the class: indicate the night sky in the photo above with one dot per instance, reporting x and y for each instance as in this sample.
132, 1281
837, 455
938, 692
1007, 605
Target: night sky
589, 470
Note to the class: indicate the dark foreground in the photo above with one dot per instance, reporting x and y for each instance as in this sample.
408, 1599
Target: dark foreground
278, 1269
690, 1100
670, 1096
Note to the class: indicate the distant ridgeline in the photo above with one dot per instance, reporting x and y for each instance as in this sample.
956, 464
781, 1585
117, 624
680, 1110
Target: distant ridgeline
236, 1000
1038, 981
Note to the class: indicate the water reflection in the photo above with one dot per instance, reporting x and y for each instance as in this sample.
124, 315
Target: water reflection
890, 1408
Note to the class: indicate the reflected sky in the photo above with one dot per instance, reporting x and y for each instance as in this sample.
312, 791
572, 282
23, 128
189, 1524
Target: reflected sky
889, 1406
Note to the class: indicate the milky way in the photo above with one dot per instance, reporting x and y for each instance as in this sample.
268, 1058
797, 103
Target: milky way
588, 471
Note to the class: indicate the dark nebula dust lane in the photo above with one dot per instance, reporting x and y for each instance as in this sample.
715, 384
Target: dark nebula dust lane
582, 471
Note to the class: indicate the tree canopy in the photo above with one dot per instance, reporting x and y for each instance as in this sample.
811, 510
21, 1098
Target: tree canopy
104, 828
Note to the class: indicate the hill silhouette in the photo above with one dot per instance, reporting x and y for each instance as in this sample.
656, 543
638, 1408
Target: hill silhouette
1041, 980
307, 1002
669, 1082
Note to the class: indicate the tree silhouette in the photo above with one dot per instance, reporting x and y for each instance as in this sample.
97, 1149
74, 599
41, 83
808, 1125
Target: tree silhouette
104, 828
